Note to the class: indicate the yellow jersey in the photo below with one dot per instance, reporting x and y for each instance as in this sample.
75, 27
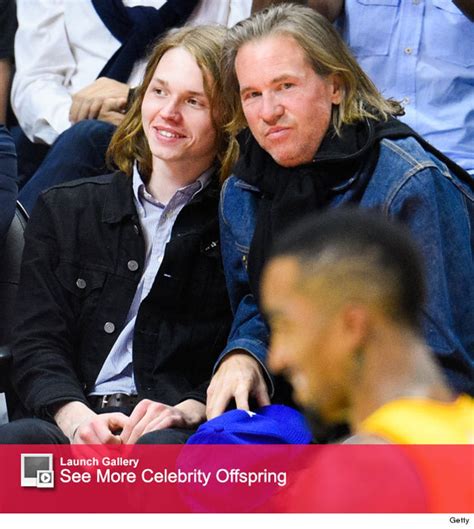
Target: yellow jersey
423, 421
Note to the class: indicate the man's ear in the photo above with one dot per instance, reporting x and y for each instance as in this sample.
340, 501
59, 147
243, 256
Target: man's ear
337, 87
355, 322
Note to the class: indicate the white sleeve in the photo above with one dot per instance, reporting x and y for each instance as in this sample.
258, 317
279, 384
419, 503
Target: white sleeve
44, 65
225, 12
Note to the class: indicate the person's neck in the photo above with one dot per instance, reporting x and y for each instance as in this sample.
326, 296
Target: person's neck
166, 179
395, 364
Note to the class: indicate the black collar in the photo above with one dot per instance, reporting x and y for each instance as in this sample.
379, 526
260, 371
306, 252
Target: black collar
119, 203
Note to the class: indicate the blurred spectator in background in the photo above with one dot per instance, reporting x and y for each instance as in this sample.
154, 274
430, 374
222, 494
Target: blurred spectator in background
422, 55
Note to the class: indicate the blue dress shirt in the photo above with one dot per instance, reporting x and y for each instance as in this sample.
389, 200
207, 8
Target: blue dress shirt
420, 52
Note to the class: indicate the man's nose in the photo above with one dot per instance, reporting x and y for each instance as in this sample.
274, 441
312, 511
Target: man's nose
271, 109
170, 110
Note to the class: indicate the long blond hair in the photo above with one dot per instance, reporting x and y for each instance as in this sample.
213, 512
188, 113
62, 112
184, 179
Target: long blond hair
204, 43
325, 51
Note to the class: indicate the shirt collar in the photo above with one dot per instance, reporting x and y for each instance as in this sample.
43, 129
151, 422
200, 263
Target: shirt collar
140, 192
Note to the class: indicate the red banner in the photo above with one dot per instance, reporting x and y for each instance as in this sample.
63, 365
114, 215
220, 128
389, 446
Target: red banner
230, 478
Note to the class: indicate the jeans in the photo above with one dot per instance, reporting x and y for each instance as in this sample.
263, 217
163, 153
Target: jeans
38, 431
78, 152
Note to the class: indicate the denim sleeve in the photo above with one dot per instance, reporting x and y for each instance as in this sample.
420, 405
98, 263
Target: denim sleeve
249, 331
440, 214
8, 182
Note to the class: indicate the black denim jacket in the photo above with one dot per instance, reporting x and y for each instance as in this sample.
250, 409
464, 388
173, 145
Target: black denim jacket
78, 279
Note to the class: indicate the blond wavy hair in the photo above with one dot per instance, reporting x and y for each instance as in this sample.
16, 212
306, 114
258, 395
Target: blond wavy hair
129, 143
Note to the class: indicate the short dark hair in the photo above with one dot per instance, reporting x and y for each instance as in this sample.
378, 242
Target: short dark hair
359, 253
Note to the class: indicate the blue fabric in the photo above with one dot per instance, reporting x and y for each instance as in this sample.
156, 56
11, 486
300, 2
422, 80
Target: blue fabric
413, 186
136, 28
78, 152
420, 53
8, 181
29, 155
274, 424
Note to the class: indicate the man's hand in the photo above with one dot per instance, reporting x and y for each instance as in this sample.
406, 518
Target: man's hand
149, 416
83, 426
113, 110
87, 103
239, 376
102, 429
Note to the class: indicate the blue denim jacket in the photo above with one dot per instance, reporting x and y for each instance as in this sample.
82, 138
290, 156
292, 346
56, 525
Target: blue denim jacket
415, 187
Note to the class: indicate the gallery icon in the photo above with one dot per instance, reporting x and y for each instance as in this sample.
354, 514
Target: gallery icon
37, 471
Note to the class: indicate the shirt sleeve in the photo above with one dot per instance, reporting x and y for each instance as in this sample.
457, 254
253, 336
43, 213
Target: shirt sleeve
44, 64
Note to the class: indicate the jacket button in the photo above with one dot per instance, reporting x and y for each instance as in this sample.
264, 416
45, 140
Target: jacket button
81, 283
132, 266
109, 327
136, 229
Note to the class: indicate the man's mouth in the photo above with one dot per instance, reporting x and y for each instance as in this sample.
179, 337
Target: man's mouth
275, 132
170, 134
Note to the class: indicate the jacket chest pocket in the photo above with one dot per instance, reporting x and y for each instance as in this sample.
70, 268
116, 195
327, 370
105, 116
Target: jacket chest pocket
450, 34
79, 281
83, 287
365, 39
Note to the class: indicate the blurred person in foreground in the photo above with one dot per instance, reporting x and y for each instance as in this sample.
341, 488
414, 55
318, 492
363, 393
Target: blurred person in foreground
343, 293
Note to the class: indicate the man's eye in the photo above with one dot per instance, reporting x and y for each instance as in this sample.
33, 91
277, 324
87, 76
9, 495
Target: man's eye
286, 86
251, 95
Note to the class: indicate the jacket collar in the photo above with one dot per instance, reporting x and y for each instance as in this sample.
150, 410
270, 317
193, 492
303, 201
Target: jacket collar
119, 202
